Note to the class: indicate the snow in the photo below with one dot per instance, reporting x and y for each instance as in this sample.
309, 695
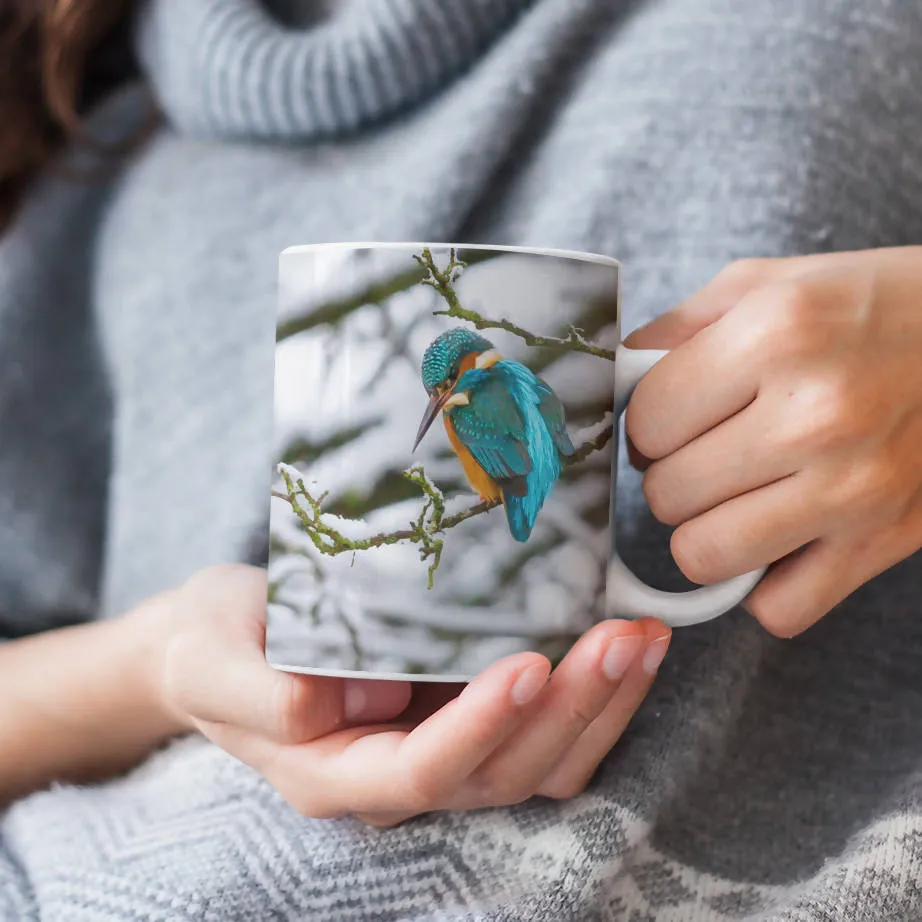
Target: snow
533, 293
587, 433
579, 378
352, 529
549, 605
291, 471
492, 596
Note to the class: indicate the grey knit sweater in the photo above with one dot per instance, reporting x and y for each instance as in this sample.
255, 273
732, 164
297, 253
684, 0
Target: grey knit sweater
762, 779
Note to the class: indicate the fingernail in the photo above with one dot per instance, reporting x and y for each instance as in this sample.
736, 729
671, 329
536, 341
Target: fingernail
354, 700
655, 653
373, 701
621, 652
632, 336
529, 683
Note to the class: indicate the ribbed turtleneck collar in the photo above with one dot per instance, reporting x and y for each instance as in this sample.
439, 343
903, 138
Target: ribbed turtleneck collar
228, 68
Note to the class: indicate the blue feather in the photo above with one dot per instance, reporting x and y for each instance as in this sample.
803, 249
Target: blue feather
514, 426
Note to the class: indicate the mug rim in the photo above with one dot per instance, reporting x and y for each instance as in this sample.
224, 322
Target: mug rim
581, 255
377, 675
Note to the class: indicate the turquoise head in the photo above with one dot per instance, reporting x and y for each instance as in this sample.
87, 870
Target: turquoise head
443, 364
442, 360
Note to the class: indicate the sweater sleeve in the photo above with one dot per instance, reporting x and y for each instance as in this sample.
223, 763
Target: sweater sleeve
55, 406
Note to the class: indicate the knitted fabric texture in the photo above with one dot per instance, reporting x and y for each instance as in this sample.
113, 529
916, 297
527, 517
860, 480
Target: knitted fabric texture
762, 779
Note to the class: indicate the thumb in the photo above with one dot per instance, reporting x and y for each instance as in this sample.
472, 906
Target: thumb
215, 669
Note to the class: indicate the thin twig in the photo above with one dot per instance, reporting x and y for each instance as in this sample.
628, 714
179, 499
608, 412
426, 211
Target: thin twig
442, 280
328, 540
591, 445
375, 293
334, 311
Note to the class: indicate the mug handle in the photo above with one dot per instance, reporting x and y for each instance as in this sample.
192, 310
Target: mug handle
626, 595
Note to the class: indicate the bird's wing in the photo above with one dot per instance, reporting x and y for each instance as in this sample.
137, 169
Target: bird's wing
552, 412
492, 428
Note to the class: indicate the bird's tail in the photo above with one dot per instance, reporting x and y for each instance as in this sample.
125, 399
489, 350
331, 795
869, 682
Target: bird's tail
520, 515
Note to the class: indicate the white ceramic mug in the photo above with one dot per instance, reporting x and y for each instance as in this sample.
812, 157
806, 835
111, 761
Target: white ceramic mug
444, 488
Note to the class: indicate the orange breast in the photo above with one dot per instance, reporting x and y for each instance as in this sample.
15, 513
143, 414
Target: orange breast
467, 363
478, 478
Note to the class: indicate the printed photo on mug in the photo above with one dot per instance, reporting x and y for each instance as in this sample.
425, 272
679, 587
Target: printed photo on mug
443, 449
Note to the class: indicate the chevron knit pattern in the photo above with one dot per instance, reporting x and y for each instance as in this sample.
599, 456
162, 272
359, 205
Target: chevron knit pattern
762, 780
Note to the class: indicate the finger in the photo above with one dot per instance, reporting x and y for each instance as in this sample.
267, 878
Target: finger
417, 771
216, 671
290, 708
729, 460
579, 690
253, 749
383, 820
673, 404
664, 412
573, 772
674, 327
304, 774
638, 461
729, 334
804, 587
750, 531
455, 741
733, 283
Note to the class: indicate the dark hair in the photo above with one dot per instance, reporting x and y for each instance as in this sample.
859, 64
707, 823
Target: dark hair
55, 55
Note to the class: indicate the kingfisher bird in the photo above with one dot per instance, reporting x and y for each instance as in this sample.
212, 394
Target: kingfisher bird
505, 424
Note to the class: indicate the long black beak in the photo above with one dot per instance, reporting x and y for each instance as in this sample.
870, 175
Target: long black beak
435, 404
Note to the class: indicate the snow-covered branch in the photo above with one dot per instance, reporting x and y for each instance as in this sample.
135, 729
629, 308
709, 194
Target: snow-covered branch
592, 445
334, 311
378, 292
442, 280
327, 532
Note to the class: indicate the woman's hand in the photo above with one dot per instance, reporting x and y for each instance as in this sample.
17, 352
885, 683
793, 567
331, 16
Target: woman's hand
786, 425
386, 751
